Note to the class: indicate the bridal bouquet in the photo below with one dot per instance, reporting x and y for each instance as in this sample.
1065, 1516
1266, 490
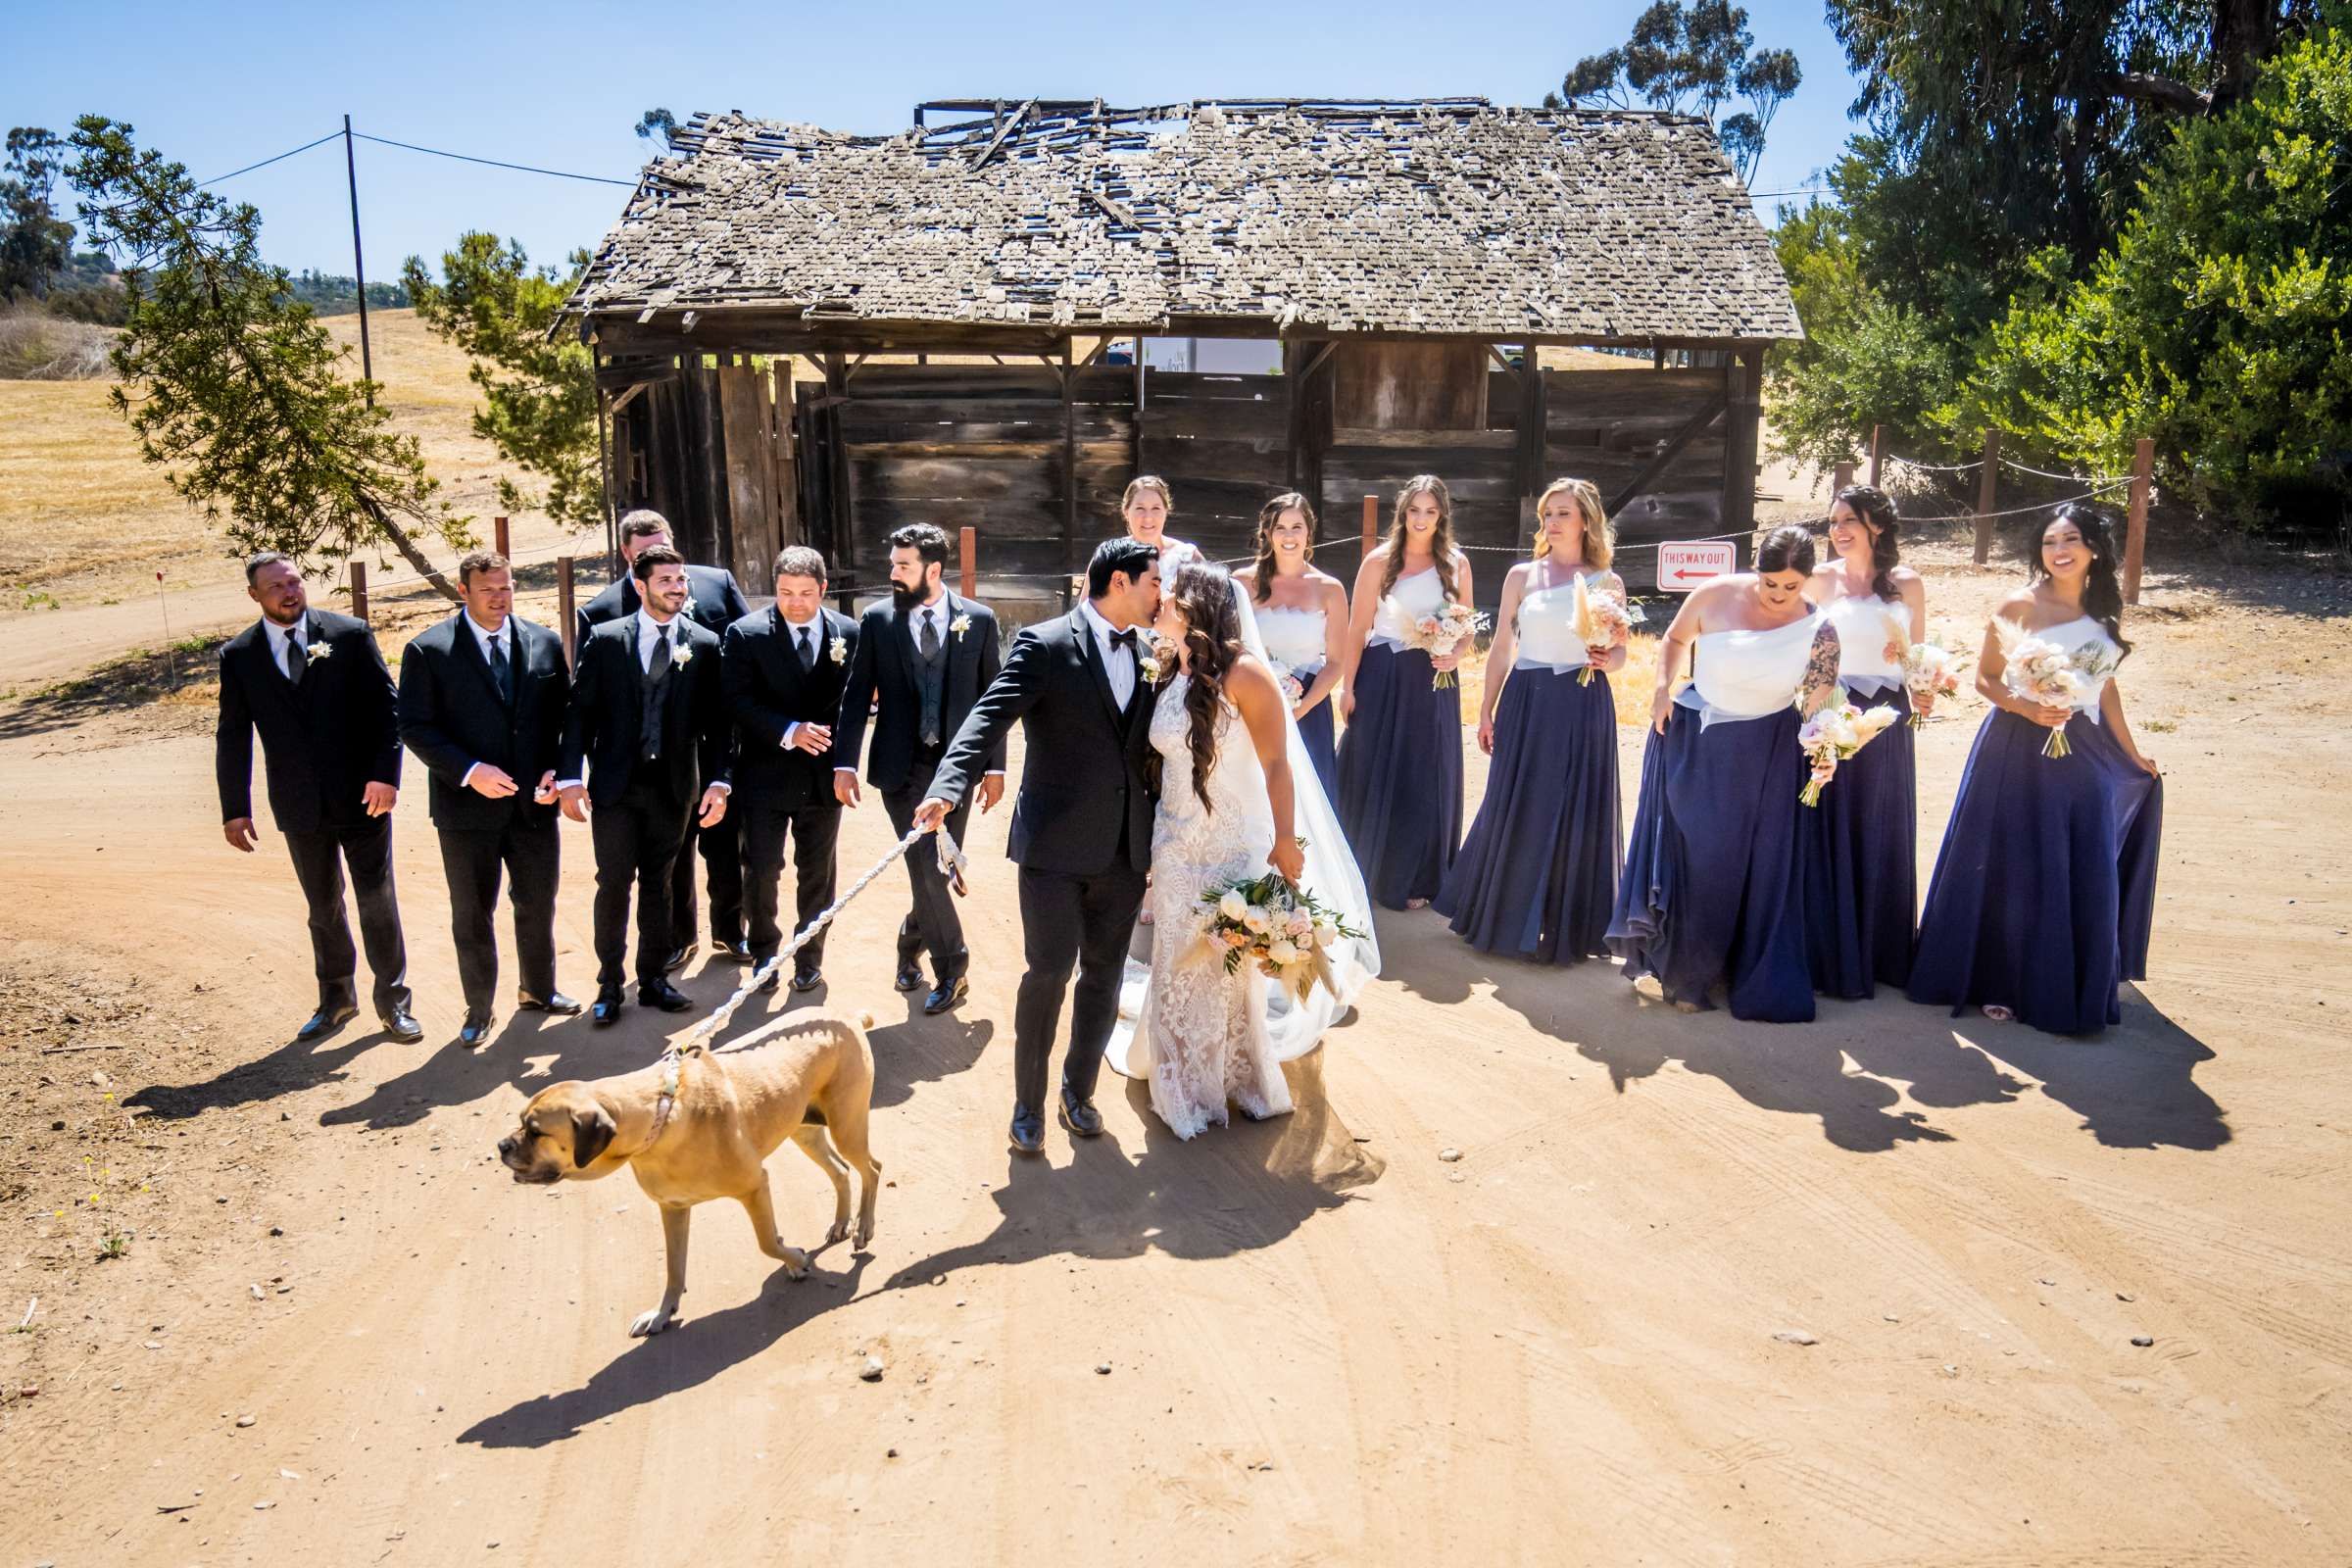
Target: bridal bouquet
1441, 633
1282, 929
1833, 734
2040, 671
1293, 688
1605, 617
1931, 669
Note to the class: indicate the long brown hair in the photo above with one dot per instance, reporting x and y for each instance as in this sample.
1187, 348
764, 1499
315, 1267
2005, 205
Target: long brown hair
1441, 540
1876, 508
2102, 595
1213, 641
1600, 539
1261, 576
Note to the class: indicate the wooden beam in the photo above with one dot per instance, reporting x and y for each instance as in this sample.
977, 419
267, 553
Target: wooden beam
1495, 352
1371, 528
2136, 528
1020, 117
1987, 484
359, 590
1320, 357
1069, 460
1675, 443
968, 560
1744, 414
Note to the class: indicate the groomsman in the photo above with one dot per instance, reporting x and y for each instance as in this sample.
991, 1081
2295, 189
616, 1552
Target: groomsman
926, 656
647, 733
714, 601
482, 700
315, 685
783, 669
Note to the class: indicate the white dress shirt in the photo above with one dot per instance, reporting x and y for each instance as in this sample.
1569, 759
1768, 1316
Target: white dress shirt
650, 633
486, 639
1118, 662
935, 615
279, 636
814, 628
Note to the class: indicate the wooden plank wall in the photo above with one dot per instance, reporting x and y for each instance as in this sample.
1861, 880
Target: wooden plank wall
1222, 442
1607, 425
983, 445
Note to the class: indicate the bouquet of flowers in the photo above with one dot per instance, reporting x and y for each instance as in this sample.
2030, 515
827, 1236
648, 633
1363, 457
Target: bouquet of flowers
1282, 929
1605, 617
1931, 669
2040, 671
1835, 733
1441, 633
1293, 688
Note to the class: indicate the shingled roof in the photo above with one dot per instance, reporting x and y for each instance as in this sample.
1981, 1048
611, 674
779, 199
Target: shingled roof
1450, 217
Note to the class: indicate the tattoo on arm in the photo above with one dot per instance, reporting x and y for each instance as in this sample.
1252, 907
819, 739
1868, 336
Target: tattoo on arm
1821, 670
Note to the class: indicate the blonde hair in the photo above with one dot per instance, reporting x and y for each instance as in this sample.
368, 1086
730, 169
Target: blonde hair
1440, 539
1147, 481
1600, 539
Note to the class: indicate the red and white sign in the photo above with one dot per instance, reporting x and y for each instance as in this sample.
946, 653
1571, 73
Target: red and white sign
1685, 566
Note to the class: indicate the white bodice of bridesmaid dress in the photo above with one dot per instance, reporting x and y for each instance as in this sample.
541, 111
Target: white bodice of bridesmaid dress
1751, 674
1408, 602
1866, 626
1547, 626
1294, 638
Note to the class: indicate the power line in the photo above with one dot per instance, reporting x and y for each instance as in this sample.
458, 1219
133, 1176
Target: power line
266, 162
494, 163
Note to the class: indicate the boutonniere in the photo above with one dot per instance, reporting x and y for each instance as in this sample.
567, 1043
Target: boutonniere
841, 650
961, 624
1151, 669
316, 651
682, 658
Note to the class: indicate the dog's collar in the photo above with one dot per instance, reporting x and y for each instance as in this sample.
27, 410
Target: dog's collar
667, 1099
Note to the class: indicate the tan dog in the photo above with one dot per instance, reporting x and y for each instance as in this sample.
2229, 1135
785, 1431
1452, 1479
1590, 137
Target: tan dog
802, 1077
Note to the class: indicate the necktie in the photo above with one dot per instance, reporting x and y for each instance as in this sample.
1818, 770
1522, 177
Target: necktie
296, 654
930, 637
499, 672
659, 666
808, 652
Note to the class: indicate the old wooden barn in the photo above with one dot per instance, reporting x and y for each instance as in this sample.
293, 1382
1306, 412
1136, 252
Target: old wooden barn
802, 336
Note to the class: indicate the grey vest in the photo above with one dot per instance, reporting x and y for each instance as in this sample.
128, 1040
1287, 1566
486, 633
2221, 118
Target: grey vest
932, 674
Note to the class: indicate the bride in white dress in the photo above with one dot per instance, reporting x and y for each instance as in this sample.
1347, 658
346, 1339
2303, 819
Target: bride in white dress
1202, 1039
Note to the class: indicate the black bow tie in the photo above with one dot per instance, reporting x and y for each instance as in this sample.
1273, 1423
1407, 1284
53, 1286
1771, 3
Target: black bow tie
1124, 639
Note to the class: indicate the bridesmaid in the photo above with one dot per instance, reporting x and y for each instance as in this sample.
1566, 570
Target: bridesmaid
1400, 763
1712, 896
1302, 618
1146, 506
1862, 855
2045, 886
1538, 872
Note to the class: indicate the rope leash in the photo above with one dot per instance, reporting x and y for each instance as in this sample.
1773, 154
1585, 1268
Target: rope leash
953, 862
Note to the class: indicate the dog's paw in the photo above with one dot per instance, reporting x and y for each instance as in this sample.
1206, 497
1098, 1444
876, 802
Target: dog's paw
648, 1323
865, 1233
839, 1232
796, 1263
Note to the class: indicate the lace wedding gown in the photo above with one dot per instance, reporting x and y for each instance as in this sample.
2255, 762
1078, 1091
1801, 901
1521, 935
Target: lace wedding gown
1206, 1029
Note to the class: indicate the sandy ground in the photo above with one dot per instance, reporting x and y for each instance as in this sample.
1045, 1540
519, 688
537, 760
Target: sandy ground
337, 1333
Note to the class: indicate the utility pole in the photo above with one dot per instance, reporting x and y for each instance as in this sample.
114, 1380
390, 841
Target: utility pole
351, 170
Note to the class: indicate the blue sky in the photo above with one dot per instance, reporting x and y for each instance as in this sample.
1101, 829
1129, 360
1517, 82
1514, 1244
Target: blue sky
563, 86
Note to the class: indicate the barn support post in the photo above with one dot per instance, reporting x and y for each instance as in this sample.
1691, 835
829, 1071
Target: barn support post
1744, 414
1069, 465
967, 552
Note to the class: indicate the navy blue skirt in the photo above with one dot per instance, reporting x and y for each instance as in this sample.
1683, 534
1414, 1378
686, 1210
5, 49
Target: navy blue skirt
1712, 894
1314, 730
1400, 777
1862, 864
2045, 887
1537, 874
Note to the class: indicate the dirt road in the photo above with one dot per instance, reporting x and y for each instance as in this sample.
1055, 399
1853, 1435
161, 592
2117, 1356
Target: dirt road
1695, 1291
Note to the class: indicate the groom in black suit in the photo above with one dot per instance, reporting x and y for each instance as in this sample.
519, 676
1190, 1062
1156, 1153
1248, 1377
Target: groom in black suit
1081, 824
714, 602
315, 685
647, 731
783, 669
924, 656
482, 701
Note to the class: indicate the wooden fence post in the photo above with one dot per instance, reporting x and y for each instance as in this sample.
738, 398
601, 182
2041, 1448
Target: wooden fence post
564, 613
1987, 481
2135, 530
498, 531
1840, 477
1371, 526
358, 589
1877, 434
967, 542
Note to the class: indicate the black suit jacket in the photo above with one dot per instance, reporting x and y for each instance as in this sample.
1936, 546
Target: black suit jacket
767, 694
888, 670
451, 717
603, 729
713, 601
325, 740
1083, 774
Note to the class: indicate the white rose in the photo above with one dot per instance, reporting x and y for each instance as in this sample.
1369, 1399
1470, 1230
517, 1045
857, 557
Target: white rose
1255, 919
1326, 935
1282, 951
1233, 905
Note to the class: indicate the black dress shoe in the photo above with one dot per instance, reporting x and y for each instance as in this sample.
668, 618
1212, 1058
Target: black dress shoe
663, 994
774, 978
911, 976
677, 959
555, 1002
402, 1027
806, 979
325, 1021
739, 949
947, 994
608, 1007
474, 1032
1028, 1131
1080, 1117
